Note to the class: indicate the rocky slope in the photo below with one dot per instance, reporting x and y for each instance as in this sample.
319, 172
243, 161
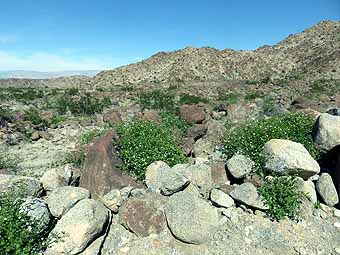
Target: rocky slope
314, 52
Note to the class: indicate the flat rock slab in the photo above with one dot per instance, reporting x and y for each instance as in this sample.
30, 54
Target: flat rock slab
247, 194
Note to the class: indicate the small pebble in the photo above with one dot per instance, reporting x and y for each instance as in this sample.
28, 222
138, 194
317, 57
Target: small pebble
336, 213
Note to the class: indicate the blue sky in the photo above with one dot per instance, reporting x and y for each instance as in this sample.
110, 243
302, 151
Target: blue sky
52, 35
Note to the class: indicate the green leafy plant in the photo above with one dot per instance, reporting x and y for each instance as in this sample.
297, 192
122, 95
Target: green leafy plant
19, 233
6, 116
282, 196
252, 95
249, 139
171, 120
190, 99
90, 135
158, 99
8, 163
142, 142
34, 117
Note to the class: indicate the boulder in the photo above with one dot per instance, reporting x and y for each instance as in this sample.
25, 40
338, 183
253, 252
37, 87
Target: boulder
62, 199
192, 113
143, 215
199, 175
38, 212
190, 218
327, 134
247, 194
221, 199
289, 158
160, 177
101, 172
239, 166
308, 188
95, 247
187, 145
21, 186
327, 190
56, 177
113, 200
79, 227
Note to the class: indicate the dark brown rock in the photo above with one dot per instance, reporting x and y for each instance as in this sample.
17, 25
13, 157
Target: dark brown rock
218, 174
101, 172
197, 131
255, 179
192, 113
143, 215
112, 117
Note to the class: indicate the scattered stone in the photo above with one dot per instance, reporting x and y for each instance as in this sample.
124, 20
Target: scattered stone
20, 186
35, 136
199, 175
80, 226
190, 218
126, 192
289, 158
327, 190
327, 134
56, 177
113, 200
94, 248
221, 199
255, 179
337, 224
239, 166
153, 174
308, 188
187, 144
192, 113
137, 192
143, 215
101, 172
62, 199
38, 212
247, 193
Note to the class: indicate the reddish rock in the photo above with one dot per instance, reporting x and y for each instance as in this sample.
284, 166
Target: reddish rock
143, 215
197, 131
218, 174
226, 188
192, 113
112, 117
101, 172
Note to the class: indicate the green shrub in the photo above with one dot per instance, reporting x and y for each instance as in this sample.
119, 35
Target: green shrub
157, 99
253, 95
20, 235
141, 143
6, 116
8, 163
249, 139
282, 196
72, 91
90, 135
171, 120
33, 116
189, 99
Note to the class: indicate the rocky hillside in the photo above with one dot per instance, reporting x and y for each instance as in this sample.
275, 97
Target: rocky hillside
60, 82
314, 52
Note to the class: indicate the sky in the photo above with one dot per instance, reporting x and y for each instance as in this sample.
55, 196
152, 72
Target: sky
56, 35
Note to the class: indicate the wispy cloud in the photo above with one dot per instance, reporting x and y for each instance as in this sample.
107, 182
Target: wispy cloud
43, 61
5, 39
